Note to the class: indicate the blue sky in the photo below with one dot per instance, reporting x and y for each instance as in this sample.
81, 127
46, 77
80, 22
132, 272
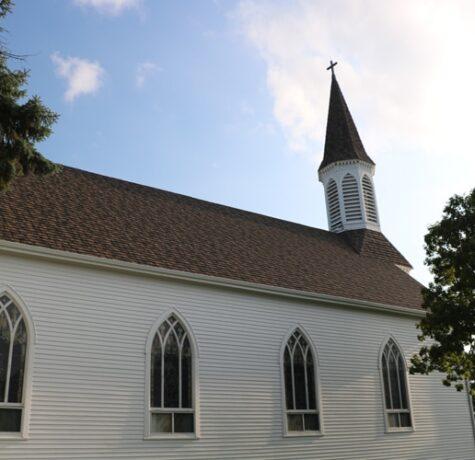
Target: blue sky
227, 100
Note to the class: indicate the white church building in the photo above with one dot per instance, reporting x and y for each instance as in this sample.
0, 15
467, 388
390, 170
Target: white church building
137, 323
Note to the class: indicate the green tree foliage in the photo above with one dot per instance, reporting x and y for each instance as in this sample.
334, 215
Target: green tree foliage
23, 122
449, 300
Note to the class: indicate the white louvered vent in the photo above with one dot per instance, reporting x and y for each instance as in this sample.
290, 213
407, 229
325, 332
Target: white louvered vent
351, 199
334, 206
369, 201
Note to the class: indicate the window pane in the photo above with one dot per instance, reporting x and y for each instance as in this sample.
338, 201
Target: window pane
13, 312
171, 371
162, 330
288, 380
161, 423
184, 423
402, 383
405, 419
394, 382
295, 422
312, 422
4, 350
299, 378
311, 381
10, 420
18, 364
156, 374
393, 420
387, 394
186, 375
180, 332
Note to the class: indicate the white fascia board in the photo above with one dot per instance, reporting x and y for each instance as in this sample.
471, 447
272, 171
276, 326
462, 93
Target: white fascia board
147, 270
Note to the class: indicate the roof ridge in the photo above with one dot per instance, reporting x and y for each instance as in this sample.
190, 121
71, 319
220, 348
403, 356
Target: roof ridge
243, 212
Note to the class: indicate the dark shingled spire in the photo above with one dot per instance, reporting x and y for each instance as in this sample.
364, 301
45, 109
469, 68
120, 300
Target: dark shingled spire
342, 141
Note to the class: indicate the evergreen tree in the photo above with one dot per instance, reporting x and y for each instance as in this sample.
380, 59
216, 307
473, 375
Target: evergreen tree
23, 123
450, 298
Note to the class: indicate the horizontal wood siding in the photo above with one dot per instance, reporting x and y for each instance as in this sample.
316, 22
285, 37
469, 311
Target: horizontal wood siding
88, 377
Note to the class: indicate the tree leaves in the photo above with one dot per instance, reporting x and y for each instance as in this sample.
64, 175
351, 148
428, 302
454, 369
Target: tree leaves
449, 326
22, 123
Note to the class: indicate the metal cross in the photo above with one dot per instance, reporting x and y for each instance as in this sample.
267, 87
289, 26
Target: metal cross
332, 64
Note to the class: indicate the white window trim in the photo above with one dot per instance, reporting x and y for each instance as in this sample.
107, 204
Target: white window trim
387, 428
27, 378
316, 367
195, 382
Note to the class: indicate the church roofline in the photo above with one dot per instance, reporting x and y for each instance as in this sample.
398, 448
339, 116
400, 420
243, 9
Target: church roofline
25, 250
86, 213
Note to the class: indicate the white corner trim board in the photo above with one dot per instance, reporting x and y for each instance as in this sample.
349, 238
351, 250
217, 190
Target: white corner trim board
27, 250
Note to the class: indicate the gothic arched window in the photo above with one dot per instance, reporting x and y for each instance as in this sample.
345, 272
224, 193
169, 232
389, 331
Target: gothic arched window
333, 202
351, 198
171, 380
301, 402
13, 355
395, 387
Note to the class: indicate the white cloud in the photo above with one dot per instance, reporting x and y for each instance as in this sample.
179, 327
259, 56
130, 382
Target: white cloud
144, 71
110, 7
405, 69
82, 76
403, 66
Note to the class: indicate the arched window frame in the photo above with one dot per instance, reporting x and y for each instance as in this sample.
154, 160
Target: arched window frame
318, 399
148, 435
388, 428
27, 377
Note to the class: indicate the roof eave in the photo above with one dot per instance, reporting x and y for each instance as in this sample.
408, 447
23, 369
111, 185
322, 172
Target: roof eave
26, 250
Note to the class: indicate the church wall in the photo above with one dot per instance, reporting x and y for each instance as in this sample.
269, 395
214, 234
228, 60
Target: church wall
89, 369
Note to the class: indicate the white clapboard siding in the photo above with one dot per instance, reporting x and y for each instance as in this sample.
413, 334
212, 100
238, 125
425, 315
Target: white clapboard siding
88, 376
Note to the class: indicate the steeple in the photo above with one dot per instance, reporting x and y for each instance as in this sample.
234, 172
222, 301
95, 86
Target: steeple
346, 170
342, 141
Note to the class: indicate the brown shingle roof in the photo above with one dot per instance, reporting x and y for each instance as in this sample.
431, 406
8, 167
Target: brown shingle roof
342, 141
86, 213
374, 244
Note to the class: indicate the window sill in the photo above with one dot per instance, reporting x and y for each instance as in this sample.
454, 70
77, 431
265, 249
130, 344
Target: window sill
12, 437
303, 434
163, 437
400, 430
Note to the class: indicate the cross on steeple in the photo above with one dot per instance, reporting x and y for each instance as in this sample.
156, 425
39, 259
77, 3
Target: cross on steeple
330, 67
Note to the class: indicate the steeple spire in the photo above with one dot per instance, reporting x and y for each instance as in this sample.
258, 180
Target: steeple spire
346, 170
342, 141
